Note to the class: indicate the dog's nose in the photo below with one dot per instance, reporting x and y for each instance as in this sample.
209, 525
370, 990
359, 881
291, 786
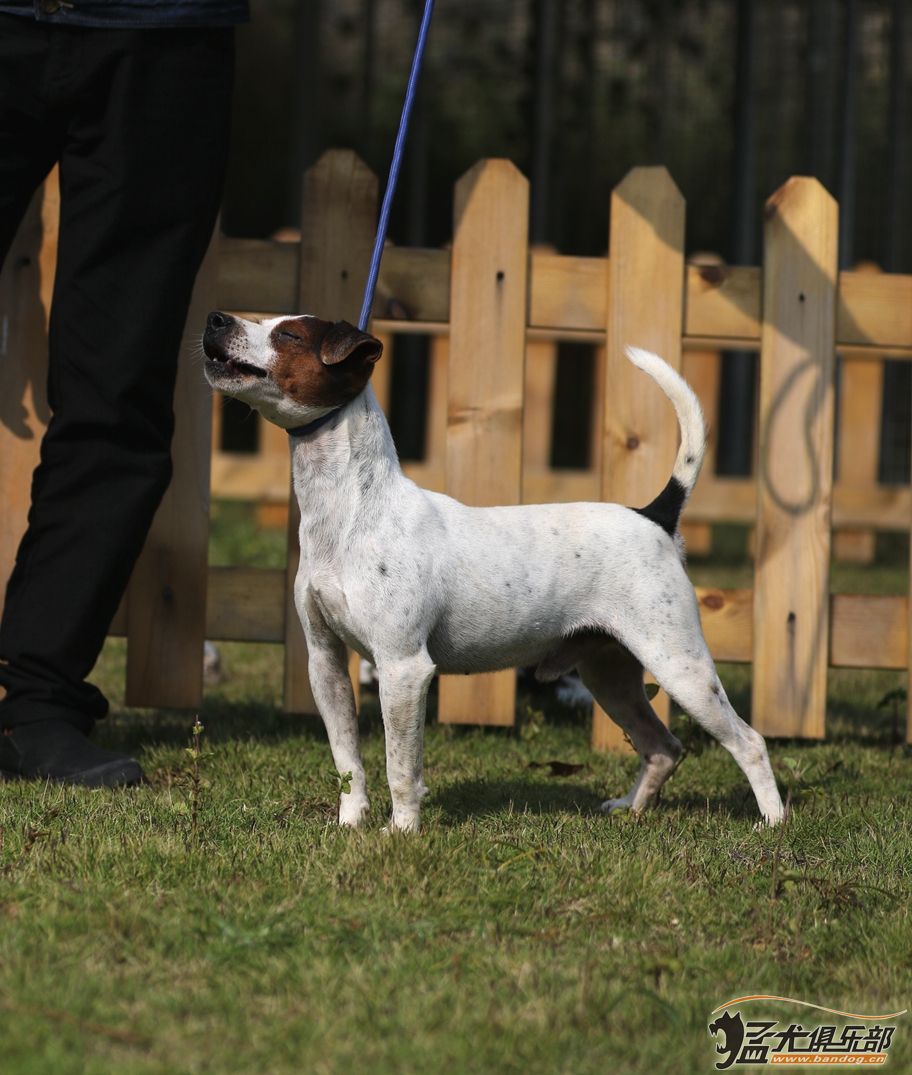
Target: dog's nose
217, 321
214, 338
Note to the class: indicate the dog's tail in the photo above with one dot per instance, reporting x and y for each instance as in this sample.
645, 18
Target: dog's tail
666, 509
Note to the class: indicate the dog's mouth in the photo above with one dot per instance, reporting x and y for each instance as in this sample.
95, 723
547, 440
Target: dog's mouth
224, 366
220, 363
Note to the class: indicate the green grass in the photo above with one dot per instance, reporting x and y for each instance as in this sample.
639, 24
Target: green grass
228, 926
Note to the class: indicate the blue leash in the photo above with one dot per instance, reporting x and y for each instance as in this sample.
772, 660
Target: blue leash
383, 224
395, 165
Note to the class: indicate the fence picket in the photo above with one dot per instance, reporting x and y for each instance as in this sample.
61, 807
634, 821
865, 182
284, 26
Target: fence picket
645, 309
166, 598
538, 397
485, 382
438, 406
858, 448
703, 372
795, 472
538, 404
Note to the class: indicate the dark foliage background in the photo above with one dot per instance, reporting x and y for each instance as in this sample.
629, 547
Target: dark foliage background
576, 93
733, 96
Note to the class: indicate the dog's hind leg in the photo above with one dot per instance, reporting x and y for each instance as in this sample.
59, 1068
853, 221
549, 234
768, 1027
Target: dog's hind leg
615, 678
700, 694
671, 645
404, 684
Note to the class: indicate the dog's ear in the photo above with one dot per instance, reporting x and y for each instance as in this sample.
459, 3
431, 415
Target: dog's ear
343, 341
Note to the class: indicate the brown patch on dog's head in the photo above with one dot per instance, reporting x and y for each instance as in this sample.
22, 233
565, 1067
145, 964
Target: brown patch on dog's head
321, 363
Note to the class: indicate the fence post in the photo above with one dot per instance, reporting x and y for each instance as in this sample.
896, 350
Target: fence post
858, 445
538, 403
795, 472
703, 372
338, 221
273, 455
485, 382
166, 598
436, 440
860, 402
538, 396
645, 309
25, 295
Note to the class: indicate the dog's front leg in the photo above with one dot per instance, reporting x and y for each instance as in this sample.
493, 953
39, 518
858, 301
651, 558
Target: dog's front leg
332, 691
404, 685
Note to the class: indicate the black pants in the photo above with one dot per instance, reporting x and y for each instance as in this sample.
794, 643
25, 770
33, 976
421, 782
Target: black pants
138, 121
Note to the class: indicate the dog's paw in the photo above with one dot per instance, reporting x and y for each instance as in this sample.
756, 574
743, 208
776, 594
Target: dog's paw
352, 812
610, 806
402, 823
768, 822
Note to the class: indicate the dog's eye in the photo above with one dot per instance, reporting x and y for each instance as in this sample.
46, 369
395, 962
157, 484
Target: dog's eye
283, 335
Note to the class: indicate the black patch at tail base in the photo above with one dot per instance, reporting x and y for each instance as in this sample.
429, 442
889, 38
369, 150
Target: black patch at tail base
665, 510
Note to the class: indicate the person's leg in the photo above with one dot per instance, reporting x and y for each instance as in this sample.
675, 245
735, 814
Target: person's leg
141, 175
30, 137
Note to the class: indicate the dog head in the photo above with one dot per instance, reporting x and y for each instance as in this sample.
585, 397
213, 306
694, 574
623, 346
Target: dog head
291, 369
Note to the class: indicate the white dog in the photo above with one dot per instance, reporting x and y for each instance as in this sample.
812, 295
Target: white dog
418, 583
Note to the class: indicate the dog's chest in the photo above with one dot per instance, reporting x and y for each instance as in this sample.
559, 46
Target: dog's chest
327, 590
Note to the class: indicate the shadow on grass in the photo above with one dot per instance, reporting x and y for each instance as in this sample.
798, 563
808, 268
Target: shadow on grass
472, 798
223, 722
478, 798
738, 804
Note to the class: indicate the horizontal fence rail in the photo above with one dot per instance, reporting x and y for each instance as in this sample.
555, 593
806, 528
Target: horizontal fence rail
495, 309
569, 295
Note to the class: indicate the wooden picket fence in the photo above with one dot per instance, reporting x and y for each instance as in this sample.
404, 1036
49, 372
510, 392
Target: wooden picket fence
495, 308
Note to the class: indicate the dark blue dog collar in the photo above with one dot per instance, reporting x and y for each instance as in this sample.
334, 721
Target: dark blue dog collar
310, 427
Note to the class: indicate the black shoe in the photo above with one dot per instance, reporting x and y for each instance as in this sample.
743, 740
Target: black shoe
56, 750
